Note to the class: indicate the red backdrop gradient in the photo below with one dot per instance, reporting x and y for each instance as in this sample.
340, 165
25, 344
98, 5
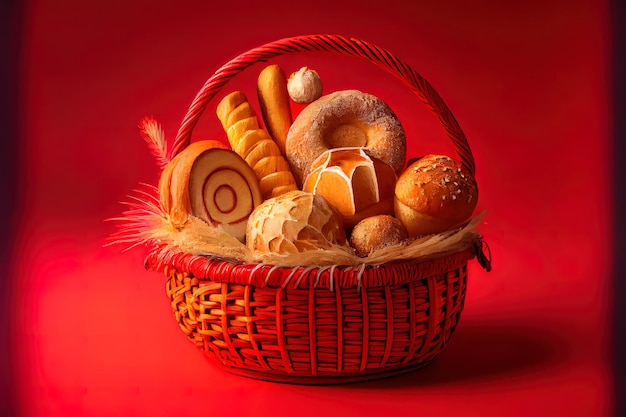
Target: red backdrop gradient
529, 83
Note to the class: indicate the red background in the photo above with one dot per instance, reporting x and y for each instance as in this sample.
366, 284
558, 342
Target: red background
529, 82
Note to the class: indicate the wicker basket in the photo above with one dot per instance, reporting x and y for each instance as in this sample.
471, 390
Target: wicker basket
318, 325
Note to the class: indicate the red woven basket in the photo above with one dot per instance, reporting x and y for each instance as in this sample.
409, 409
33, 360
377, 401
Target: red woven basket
318, 325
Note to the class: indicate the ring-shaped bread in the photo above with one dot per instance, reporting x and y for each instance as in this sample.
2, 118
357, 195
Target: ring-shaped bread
346, 118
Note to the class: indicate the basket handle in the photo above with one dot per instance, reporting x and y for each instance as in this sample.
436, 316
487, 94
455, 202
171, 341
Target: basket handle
327, 43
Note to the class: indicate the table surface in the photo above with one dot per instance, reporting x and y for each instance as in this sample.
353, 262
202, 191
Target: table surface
94, 333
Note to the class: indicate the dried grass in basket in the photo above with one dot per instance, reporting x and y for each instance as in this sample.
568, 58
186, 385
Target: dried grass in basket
311, 318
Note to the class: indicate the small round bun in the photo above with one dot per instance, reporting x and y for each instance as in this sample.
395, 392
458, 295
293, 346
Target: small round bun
346, 118
434, 194
304, 86
375, 233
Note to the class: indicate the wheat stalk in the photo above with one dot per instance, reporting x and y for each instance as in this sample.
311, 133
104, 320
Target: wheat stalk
154, 136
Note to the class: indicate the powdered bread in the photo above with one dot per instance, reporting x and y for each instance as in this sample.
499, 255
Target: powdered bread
347, 118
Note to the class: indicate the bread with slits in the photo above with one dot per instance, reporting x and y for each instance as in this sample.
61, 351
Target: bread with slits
255, 145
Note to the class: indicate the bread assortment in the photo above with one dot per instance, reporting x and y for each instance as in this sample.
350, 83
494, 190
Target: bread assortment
333, 177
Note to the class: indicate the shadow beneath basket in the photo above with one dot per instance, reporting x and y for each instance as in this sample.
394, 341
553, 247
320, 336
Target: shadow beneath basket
483, 351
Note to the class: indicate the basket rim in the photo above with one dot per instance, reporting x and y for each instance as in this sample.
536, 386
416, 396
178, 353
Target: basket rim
219, 270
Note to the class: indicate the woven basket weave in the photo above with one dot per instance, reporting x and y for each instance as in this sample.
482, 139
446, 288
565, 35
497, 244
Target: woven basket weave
318, 325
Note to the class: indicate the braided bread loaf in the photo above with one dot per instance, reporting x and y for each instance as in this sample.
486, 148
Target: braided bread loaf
255, 145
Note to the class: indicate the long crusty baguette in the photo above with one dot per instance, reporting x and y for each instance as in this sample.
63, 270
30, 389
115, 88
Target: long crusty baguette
255, 145
274, 103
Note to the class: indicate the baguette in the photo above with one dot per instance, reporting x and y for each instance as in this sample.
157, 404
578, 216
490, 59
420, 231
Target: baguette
274, 102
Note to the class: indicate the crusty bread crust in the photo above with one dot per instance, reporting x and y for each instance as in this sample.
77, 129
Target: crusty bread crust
375, 233
274, 103
434, 194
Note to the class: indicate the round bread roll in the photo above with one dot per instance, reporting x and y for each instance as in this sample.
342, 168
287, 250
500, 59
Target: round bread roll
304, 86
347, 118
375, 233
294, 222
354, 183
434, 194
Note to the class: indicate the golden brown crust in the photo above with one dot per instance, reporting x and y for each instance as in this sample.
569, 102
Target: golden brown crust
253, 144
274, 103
375, 233
262, 149
343, 119
434, 194
242, 111
227, 105
240, 127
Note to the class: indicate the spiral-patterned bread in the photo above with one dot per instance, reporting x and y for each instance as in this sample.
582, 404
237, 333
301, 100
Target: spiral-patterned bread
213, 183
255, 145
